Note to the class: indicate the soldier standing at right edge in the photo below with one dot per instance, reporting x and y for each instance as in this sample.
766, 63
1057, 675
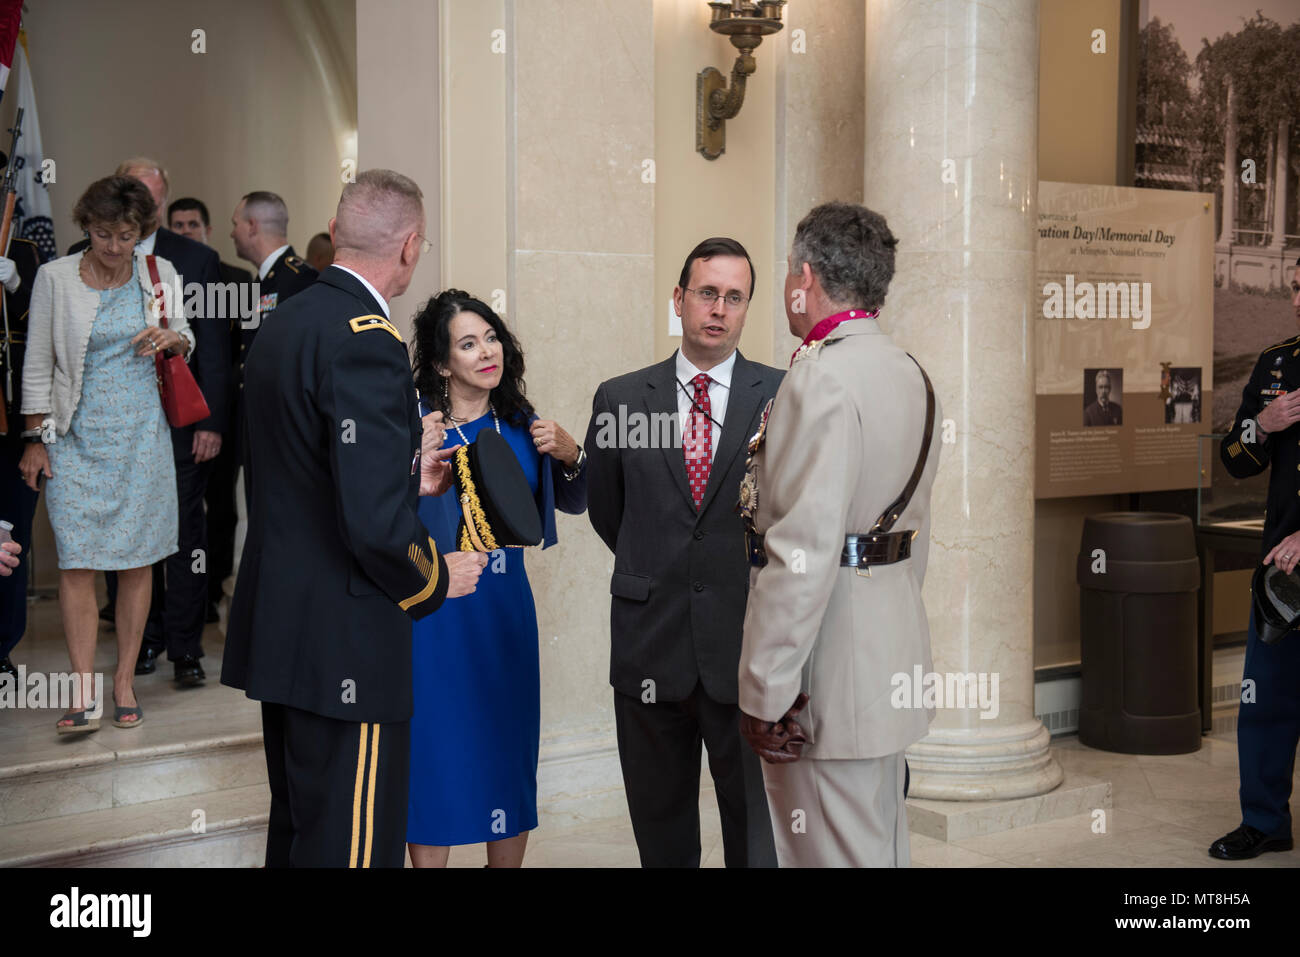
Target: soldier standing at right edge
1268, 721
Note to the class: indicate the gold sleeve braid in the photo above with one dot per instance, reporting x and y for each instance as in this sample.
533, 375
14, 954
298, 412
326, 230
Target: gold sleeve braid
428, 569
475, 535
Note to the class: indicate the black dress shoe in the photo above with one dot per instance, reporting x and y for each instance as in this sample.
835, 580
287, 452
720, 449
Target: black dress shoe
147, 663
1247, 842
189, 673
107, 616
7, 667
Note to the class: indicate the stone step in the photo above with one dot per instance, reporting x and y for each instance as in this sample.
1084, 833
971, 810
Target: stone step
100, 778
219, 828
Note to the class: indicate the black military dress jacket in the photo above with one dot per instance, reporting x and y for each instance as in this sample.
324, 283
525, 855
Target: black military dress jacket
336, 562
1276, 372
287, 277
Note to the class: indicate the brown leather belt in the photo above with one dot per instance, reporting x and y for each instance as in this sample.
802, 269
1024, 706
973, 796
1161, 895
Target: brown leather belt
860, 551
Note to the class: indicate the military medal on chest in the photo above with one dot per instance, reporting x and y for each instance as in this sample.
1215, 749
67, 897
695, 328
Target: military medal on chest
748, 504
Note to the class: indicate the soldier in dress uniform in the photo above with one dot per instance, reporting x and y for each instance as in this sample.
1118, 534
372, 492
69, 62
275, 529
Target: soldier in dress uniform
17, 501
837, 498
260, 233
337, 562
1264, 433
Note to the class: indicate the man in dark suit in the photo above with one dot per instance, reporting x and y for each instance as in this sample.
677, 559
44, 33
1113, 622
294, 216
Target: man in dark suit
17, 500
189, 217
666, 452
1103, 411
336, 558
180, 581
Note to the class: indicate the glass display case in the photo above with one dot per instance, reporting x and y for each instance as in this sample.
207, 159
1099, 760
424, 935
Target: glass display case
1224, 501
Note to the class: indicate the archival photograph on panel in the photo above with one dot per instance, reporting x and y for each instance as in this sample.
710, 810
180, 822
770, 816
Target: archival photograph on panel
1217, 83
1102, 390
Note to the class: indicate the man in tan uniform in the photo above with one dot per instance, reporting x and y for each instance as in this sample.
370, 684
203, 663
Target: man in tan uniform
837, 495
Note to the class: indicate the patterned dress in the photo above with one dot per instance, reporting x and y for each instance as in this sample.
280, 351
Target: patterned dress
112, 500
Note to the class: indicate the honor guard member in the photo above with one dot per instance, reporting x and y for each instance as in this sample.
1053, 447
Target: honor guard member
837, 496
260, 230
336, 562
17, 500
1264, 433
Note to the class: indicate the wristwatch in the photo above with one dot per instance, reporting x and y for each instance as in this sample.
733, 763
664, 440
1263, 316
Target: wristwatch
571, 474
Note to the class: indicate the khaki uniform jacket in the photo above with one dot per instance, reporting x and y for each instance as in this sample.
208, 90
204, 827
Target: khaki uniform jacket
841, 441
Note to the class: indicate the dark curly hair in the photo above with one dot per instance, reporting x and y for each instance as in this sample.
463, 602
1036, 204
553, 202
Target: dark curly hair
115, 199
433, 349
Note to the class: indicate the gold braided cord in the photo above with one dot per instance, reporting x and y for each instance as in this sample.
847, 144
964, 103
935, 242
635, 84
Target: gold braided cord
476, 531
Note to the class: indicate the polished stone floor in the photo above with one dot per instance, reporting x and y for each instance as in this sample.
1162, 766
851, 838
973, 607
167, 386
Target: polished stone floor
1166, 810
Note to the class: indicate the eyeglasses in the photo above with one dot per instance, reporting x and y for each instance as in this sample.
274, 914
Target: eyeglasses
426, 247
710, 296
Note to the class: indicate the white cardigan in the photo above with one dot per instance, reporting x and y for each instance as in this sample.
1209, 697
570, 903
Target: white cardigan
58, 328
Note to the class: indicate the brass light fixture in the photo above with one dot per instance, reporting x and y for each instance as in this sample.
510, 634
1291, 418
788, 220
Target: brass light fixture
745, 23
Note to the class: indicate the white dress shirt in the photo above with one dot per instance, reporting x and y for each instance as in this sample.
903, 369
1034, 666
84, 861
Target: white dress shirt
147, 244
383, 304
719, 390
269, 261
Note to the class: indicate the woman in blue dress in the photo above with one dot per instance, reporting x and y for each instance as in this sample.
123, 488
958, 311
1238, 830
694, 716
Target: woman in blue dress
476, 667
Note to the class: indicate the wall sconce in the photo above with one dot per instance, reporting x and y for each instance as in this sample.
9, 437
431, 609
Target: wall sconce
745, 23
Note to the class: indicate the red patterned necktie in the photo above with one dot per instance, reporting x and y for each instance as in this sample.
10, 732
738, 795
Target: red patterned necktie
699, 440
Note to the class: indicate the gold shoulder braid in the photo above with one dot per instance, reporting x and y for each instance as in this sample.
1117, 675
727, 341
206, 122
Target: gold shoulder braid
475, 536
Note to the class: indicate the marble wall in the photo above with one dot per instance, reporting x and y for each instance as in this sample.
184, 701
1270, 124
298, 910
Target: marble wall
583, 267
820, 122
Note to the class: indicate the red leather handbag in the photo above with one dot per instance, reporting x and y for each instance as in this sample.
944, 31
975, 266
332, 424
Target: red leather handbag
182, 399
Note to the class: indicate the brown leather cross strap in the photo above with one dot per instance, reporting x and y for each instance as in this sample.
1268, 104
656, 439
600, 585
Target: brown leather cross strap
890, 515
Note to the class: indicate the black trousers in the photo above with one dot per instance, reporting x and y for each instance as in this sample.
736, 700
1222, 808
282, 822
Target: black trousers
338, 790
180, 581
659, 749
17, 506
221, 517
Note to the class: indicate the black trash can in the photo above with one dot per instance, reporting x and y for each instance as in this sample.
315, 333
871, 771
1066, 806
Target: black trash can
1138, 574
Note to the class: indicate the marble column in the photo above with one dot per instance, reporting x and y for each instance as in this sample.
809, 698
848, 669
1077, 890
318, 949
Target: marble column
1280, 171
951, 162
1227, 231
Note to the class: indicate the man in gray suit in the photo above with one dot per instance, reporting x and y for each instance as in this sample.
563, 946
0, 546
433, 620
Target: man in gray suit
665, 458
837, 492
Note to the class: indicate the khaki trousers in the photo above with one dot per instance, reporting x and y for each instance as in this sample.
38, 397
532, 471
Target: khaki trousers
839, 813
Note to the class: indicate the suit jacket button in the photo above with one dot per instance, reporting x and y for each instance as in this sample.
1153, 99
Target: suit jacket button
699, 586
699, 535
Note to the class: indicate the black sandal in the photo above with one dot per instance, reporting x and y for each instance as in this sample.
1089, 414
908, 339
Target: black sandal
79, 724
119, 713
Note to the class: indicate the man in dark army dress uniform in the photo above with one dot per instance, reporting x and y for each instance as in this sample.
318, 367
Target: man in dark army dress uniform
1264, 433
260, 233
336, 562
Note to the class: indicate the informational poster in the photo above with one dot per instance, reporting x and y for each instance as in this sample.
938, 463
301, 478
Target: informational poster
1125, 338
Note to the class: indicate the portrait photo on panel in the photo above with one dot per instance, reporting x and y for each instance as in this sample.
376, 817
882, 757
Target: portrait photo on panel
1180, 387
1102, 391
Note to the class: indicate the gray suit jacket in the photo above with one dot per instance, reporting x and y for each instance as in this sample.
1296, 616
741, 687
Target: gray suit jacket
842, 440
680, 577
